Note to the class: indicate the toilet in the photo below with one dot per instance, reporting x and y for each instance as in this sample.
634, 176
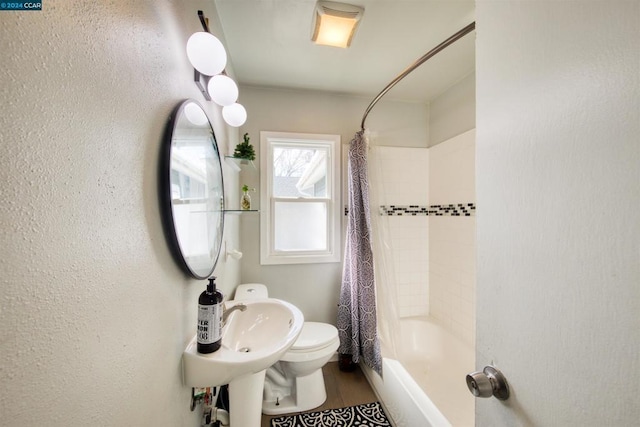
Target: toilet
295, 383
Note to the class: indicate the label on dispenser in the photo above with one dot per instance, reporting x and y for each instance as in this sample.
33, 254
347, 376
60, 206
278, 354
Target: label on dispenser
209, 323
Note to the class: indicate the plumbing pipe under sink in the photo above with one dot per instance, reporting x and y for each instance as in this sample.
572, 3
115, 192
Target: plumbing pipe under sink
216, 415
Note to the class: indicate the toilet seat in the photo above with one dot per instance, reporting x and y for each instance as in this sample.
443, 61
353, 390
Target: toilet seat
314, 336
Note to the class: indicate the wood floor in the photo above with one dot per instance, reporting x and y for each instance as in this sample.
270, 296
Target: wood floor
343, 389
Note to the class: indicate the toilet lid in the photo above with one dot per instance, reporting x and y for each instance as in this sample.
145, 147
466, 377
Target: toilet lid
315, 334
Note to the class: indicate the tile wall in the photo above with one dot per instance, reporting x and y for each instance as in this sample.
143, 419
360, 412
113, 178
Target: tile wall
404, 181
452, 239
427, 200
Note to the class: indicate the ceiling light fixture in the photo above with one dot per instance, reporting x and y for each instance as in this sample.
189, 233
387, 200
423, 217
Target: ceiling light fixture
208, 57
335, 23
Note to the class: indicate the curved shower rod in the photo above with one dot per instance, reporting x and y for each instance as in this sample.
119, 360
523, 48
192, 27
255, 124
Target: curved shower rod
466, 30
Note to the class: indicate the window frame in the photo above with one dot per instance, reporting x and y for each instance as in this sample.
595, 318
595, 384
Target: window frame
268, 254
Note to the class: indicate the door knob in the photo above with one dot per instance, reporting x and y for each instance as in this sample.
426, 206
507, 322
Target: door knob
488, 382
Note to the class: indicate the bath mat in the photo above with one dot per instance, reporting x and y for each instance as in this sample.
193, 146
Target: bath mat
367, 415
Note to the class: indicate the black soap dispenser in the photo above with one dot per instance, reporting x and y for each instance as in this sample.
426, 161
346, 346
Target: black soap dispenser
210, 319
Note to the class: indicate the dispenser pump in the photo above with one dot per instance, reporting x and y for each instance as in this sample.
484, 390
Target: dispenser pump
209, 319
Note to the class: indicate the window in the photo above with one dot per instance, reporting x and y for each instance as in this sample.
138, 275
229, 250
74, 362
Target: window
299, 198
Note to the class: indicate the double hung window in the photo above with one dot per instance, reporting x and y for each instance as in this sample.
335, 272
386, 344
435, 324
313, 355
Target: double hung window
300, 198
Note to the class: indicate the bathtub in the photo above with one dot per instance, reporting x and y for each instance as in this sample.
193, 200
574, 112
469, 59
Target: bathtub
424, 385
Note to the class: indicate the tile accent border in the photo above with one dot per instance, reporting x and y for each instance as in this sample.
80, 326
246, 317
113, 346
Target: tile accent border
466, 209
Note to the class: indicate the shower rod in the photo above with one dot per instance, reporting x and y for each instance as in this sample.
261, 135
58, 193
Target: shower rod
466, 30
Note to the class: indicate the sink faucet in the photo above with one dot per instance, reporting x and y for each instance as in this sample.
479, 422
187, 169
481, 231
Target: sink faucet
228, 311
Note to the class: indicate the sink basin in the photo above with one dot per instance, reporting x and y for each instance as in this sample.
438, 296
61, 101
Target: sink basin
252, 340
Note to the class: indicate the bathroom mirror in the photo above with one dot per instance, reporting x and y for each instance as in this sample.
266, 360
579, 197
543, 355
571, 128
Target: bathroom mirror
192, 190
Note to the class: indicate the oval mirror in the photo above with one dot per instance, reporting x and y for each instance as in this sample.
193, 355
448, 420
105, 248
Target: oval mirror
192, 190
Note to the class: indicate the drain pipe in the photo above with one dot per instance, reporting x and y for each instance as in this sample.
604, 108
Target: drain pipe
221, 415
212, 415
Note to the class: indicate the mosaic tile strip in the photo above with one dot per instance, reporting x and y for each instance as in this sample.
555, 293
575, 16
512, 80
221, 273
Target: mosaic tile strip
466, 209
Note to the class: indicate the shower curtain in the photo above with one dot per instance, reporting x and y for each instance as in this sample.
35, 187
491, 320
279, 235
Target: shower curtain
357, 309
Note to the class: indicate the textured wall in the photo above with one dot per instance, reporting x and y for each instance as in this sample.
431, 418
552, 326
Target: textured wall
94, 311
558, 173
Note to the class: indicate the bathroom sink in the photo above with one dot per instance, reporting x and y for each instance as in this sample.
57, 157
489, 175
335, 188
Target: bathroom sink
252, 340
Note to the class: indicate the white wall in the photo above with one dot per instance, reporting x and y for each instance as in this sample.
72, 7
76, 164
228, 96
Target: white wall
558, 170
314, 288
454, 111
95, 313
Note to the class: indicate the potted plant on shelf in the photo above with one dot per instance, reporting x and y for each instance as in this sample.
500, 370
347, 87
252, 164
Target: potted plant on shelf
244, 150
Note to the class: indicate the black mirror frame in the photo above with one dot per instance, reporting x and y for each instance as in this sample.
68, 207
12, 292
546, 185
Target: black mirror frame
164, 195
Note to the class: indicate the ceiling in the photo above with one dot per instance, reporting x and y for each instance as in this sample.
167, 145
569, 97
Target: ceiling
269, 44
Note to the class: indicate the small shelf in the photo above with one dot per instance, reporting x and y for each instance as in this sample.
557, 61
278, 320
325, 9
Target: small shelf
239, 211
237, 163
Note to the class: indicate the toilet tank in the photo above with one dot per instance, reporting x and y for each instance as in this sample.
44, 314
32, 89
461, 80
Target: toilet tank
251, 291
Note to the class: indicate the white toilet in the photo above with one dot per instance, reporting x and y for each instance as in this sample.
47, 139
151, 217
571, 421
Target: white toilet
295, 383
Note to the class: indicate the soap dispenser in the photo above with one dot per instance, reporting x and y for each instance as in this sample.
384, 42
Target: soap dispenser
210, 319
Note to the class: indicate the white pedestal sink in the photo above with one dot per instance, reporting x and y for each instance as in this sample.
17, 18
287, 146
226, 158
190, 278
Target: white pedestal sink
252, 340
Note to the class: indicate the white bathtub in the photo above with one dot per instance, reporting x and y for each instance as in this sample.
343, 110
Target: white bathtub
425, 385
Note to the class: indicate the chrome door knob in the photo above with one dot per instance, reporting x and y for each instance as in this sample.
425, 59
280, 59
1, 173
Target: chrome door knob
488, 382
479, 384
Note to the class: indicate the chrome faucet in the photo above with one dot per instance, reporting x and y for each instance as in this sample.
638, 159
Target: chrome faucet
228, 311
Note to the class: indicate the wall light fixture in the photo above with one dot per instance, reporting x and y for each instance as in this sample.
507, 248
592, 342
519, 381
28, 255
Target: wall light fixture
334, 24
208, 57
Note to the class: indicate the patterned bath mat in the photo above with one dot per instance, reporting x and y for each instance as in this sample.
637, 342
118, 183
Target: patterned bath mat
367, 415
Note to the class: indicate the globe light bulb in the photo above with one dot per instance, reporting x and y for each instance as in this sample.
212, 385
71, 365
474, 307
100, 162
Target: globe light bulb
223, 90
235, 115
206, 53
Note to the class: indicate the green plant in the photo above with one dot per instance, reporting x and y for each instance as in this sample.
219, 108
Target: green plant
245, 150
246, 188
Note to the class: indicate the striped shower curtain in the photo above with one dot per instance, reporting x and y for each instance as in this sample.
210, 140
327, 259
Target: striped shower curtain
357, 308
